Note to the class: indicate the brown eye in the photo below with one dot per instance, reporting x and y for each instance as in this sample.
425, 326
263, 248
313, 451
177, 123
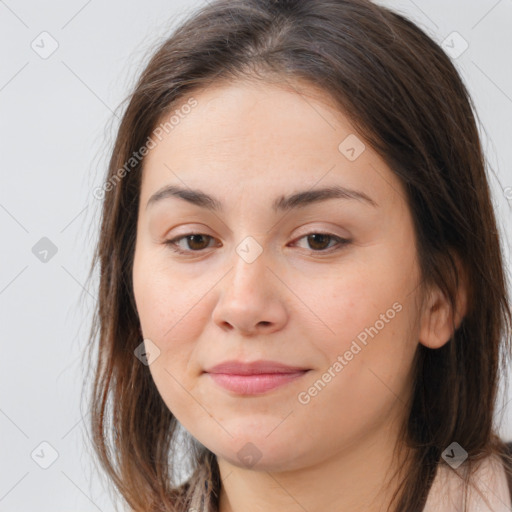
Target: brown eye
197, 242
319, 241
194, 242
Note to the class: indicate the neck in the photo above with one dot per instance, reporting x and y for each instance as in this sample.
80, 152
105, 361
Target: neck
362, 477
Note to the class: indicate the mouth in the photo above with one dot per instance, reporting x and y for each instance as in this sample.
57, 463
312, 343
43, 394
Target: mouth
254, 384
254, 378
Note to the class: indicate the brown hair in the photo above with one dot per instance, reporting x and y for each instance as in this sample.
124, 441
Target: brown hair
406, 99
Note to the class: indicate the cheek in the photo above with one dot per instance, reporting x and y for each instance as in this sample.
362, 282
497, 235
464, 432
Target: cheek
368, 294
170, 322
172, 313
367, 371
365, 333
168, 304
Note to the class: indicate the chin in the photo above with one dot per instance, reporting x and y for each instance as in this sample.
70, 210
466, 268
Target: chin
259, 452
251, 458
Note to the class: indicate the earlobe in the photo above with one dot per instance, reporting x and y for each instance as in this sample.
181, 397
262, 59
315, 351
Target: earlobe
436, 327
438, 321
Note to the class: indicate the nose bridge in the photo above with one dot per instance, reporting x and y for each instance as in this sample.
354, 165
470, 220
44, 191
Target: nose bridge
249, 299
249, 272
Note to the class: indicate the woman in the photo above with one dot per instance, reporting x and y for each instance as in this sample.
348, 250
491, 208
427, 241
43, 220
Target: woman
301, 278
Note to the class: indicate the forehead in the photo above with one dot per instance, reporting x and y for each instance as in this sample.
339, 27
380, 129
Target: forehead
247, 117
260, 137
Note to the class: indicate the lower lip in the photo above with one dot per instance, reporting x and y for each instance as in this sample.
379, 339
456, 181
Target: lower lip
254, 384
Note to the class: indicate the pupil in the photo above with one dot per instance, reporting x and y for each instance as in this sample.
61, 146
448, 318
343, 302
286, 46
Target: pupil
315, 240
193, 239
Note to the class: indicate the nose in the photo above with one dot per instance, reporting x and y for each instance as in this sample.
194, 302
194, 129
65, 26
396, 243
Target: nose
251, 299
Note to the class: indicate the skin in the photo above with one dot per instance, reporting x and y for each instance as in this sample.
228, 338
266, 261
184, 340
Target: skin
248, 143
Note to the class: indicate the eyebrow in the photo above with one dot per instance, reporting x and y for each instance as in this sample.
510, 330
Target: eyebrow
281, 204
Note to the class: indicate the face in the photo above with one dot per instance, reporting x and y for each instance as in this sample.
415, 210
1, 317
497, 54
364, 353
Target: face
325, 283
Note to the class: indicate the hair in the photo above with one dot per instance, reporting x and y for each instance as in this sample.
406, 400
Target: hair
405, 97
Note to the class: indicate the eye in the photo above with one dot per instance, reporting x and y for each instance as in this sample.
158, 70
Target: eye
320, 241
195, 242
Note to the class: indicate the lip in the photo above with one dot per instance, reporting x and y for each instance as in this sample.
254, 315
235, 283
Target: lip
255, 377
234, 367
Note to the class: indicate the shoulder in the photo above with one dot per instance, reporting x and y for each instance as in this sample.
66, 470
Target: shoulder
488, 490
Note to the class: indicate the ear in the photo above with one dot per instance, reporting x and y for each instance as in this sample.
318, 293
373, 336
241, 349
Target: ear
438, 321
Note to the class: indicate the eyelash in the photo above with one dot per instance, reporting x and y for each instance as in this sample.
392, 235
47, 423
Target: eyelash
341, 242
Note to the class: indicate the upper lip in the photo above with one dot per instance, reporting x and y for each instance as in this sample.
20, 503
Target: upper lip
253, 368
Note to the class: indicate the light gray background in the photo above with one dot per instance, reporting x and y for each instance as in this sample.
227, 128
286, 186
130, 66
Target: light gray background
57, 122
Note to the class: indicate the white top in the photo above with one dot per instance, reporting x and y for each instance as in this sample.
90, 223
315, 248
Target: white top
446, 493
